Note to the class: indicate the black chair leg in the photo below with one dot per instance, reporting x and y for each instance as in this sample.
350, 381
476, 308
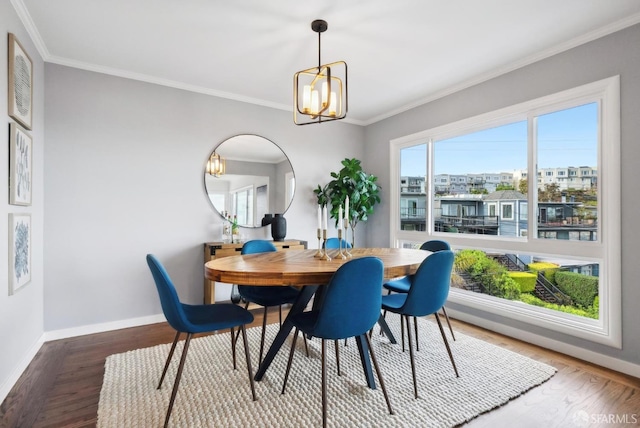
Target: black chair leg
415, 325
248, 358
402, 331
233, 346
413, 363
324, 384
166, 365
337, 346
290, 360
379, 373
176, 383
306, 346
446, 317
446, 343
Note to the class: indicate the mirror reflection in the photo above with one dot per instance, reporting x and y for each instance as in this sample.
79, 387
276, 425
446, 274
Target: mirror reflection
257, 180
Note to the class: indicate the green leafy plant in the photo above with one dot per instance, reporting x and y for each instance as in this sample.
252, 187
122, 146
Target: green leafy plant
361, 188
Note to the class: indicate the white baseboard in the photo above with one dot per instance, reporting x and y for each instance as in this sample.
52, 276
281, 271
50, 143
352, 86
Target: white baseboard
100, 328
612, 363
10, 382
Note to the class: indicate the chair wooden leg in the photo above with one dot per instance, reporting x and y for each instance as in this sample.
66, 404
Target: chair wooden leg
379, 373
413, 363
233, 346
264, 331
290, 360
446, 343
415, 325
446, 317
166, 365
337, 356
248, 358
324, 384
176, 383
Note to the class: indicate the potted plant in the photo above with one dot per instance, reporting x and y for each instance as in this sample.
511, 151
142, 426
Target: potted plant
360, 187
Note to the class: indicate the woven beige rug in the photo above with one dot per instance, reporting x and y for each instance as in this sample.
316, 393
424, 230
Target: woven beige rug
211, 394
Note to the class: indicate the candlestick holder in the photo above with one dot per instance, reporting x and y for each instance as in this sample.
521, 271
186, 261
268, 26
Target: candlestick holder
319, 254
342, 255
346, 228
325, 256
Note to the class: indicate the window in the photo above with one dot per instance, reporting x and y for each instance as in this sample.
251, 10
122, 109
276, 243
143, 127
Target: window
507, 212
548, 220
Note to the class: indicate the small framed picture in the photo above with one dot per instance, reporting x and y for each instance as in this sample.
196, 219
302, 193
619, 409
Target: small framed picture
20, 74
19, 251
20, 167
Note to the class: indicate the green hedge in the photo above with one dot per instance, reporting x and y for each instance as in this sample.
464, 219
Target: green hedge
492, 275
583, 289
525, 280
548, 269
591, 312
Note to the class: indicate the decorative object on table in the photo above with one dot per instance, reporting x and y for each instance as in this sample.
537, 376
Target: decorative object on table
267, 219
193, 319
235, 229
20, 74
354, 188
484, 386
20, 158
19, 251
322, 234
320, 93
278, 227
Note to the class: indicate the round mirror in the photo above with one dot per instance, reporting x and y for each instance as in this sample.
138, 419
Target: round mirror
249, 177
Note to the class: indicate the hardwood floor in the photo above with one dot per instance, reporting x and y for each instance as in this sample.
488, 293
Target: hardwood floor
61, 386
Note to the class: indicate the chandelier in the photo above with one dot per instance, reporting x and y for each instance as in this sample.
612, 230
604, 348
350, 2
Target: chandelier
320, 93
216, 165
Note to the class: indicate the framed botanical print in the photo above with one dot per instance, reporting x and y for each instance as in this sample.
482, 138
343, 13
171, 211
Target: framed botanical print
20, 74
20, 167
19, 251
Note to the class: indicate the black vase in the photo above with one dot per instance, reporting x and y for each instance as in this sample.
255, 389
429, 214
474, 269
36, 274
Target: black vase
267, 219
278, 228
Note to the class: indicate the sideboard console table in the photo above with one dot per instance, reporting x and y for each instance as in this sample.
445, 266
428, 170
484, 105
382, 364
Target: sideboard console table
216, 250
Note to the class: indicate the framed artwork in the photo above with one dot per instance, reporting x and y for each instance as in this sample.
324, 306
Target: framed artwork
20, 83
20, 158
19, 251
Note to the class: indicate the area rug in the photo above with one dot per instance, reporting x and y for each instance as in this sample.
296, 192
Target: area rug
212, 394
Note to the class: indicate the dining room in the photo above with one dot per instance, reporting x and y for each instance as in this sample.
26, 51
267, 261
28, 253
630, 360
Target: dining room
119, 170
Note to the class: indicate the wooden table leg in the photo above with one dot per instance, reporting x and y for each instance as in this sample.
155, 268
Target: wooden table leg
298, 306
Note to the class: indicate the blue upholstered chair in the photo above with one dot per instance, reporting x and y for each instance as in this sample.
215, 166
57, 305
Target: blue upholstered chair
402, 285
191, 319
358, 280
333, 243
265, 296
427, 294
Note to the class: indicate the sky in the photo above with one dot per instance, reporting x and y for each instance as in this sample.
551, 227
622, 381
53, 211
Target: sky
565, 138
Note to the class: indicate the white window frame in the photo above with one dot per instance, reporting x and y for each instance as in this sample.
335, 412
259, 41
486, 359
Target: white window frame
502, 207
606, 250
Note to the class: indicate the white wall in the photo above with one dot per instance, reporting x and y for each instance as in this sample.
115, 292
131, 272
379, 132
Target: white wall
616, 54
21, 315
124, 177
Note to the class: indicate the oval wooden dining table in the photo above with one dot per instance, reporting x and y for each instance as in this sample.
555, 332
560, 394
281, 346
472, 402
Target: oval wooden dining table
301, 268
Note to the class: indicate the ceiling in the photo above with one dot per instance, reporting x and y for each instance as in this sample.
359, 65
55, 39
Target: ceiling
400, 54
